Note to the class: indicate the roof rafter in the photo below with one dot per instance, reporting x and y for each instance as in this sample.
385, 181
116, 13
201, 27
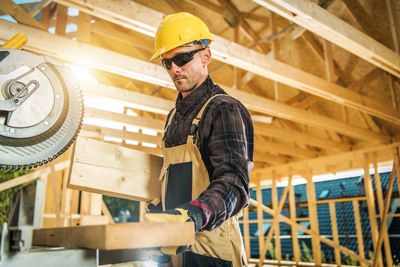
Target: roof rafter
140, 18
102, 59
319, 21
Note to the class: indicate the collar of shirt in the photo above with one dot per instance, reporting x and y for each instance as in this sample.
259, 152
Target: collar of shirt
184, 105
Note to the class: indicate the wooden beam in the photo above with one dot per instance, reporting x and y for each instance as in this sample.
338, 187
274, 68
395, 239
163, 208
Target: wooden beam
145, 20
117, 236
321, 22
299, 137
283, 149
39, 7
260, 217
113, 170
61, 19
331, 163
19, 14
394, 24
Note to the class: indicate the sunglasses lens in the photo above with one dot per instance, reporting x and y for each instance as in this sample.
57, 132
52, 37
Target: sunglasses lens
167, 63
182, 59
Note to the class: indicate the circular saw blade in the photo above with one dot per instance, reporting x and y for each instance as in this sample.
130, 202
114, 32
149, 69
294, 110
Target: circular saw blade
41, 109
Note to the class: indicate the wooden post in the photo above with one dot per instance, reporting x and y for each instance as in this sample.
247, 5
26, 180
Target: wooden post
61, 19
369, 192
357, 221
84, 27
246, 231
377, 247
260, 223
335, 233
379, 195
276, 228
292, 206
312, 211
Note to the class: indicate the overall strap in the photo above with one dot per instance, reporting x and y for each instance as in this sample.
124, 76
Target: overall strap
169, 122
197, 118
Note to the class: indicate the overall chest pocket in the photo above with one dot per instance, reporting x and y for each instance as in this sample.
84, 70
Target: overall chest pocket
178, 184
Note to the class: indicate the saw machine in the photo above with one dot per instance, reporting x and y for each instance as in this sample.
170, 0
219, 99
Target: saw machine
41, 107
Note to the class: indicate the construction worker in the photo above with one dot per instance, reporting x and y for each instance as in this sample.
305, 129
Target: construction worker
208, 150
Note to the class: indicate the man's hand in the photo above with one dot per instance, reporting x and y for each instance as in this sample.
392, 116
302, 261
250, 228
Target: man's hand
184, 213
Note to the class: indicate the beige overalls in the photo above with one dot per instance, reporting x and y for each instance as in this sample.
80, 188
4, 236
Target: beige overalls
225, 242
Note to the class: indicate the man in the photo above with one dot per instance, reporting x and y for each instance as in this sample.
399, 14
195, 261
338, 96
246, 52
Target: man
207, 147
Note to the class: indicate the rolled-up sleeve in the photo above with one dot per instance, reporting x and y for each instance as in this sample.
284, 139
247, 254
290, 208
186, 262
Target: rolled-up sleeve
230, 155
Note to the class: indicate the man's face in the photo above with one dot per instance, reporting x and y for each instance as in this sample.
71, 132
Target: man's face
192, 74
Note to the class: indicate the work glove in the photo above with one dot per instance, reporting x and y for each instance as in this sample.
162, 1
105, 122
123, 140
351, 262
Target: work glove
183, 213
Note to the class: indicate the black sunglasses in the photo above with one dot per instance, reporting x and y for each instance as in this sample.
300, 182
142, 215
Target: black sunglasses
180, 59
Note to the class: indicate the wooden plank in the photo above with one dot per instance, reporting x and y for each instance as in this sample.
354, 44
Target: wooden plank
335, 233
116, 171
357, 222
19, 14
140, 18
117, 236
90, 56
314, 18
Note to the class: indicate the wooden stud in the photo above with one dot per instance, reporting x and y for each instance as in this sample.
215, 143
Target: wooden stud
335, 233
312, 210
246, 232
84, 27
378, 244
379, 196
277, 228
293, 219
260, 217
357, 222
394, 24
61, 19
369, 192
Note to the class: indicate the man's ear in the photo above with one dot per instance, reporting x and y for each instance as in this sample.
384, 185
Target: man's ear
206, 58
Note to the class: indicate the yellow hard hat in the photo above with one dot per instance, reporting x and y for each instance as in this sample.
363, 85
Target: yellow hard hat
179, 29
